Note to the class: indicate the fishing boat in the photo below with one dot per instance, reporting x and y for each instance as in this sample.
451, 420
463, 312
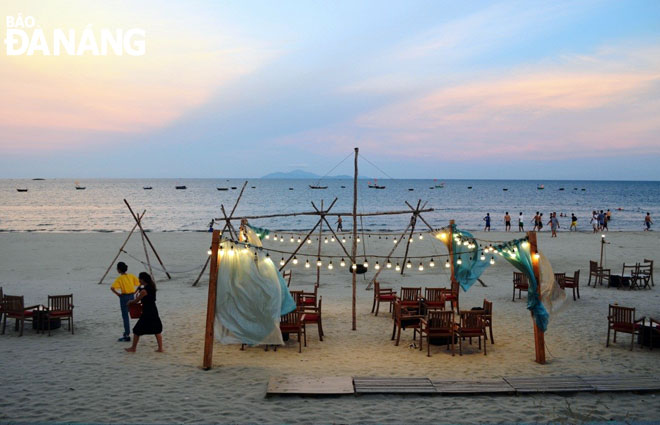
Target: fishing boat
180, 187
343, 187
38, 178
410, 189
375, 185
311, 186
147, 187
440, 185
233, 187
561, 188
505, 189
290, 188
469, 187
540, 187
222, 188
21, 190
79, 187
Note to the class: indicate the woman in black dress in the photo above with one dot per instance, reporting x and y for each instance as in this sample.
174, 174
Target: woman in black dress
149, 323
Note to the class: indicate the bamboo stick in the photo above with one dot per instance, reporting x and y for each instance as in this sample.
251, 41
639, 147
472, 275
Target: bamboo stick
121, 249
255, 217
318, 251
146, 256
413, 221
210, 307
354, 242
148, 240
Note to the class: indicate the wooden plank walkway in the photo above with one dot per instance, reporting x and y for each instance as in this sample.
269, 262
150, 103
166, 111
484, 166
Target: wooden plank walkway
494, 386
300, 385
345, 385
621, 383
367, 385
548, 384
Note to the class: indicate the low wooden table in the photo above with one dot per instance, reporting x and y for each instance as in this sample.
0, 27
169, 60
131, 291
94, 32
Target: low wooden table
618, 281
40, 320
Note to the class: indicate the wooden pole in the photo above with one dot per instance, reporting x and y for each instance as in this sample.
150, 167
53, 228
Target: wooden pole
210, 307
146, 255
371, 214
450, 248
122, 248
602, 250
354, 242
148, 240
413, 221
202, 272
318, 251
539, 340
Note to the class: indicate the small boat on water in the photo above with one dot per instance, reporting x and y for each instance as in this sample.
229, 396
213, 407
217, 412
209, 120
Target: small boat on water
469, 187
440, 185
505, 189
147, 187
311, 186
540, 187
38, 178
410, 189
561, 188
222, 188
254, 187
79, 187
290, 188
343, 187
375, 185
233, 187
21, 190
182, 187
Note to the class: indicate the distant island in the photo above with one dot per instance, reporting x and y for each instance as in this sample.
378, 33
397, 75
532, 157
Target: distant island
300, 174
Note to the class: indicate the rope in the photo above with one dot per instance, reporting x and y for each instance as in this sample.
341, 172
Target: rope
144, 263
376, 166
333, 168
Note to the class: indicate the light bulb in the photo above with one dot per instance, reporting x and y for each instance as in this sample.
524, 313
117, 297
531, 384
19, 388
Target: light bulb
343, 240
483, 257
459, 261
281, 238
377, 266
408, 264
318, 263
209, 252
602, 236
330, 265
291, 240
443, 236
295, 260
358, 240
421, 236
410, 240
466, 243
309, 241
431, 263
306, 264
492, 260
398, 267
342, 263
388, 265
536, 256
332, 239
267, 255
421, 267
394, 240
326, 240
447, 265
354, 266
525, 244
299, 240
267, 236
282, 261
366, 263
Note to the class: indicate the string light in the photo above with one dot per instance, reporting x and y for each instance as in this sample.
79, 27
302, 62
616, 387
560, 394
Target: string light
431, 263
326, 240
354, 266
410, 240
389, 264
492, 260
443, 236
309, 240
318, 262
209, 252
447, 265
299, 240
281, 238
366, 264
377, 266
398, 267
332, 239
459, 261
267, 236
408, 264
282, 261
306, 264
295, 260
291, 240
421, 267
330, 267
343, 240
342, 263
358, 240
536, 256
526, 244
231, 250
394, 240
421, 236
483, 257
221, 251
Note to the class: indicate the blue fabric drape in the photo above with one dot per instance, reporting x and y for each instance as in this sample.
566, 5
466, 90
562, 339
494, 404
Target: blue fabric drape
471, 266
260, 231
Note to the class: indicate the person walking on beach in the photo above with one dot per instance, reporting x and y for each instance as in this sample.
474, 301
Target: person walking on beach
536, 222
648, 222
124, 287
606, 220
339, 226
149, 323
487, 220
601, 220
521, 222
573, 223
507, 222
554, 224
540, 221
594, 220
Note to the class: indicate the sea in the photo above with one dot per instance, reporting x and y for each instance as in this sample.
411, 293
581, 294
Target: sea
55, 205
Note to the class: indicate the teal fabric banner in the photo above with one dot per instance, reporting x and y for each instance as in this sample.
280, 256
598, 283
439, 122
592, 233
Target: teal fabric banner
260, 231
470, 266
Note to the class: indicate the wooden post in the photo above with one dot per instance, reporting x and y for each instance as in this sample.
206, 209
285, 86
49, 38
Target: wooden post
450, 248
318, 251
146, 256
602, 249
210, 307
148, 240
122, 248
539, 340
413, 221
354, 244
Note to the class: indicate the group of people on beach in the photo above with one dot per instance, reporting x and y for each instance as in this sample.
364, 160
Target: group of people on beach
599, 221
133, 290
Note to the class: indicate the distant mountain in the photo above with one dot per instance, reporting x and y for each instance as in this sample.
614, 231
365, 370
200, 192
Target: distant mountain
300, 174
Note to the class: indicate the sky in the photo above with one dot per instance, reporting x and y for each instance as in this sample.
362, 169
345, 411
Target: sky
425, 89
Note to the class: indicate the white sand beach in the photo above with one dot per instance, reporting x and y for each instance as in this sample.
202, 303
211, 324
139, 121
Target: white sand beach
87, 377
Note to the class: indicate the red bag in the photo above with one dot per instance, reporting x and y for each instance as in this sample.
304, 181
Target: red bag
135, 310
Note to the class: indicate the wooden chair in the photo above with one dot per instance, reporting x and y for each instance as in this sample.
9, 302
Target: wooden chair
405, 318
598, 273
410, 297
650, 262
487, 317
382, 295
574, 283
437, 324
471, 326
309, 298
520, 283
60, 307
14, 308
632, 272
293, 323
644, 273
434, 298
297, 297
559, 279
287, 276
622, 319
451, 294
312, 315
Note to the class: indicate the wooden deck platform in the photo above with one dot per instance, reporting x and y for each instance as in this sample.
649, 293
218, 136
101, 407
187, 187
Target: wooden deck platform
500, 386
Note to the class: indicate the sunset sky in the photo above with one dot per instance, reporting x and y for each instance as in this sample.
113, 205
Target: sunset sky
437, 89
